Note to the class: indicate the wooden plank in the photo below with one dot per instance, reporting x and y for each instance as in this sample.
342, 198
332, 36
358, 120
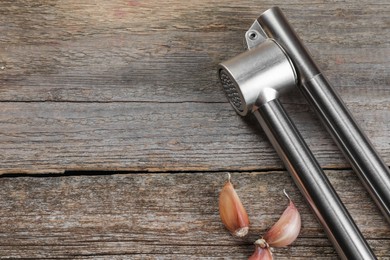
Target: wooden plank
167, 216
148, 56
131, 86
56, 137
149, 51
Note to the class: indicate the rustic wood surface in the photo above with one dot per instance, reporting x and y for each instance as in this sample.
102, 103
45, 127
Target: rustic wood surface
115, 136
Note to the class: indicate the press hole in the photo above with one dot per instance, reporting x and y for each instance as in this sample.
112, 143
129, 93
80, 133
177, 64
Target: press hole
252, 35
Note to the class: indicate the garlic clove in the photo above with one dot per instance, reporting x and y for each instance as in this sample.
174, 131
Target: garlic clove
232, 212
286, 229
262, 251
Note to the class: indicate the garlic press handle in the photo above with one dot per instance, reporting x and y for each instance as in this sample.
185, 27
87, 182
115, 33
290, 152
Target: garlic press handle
312, 182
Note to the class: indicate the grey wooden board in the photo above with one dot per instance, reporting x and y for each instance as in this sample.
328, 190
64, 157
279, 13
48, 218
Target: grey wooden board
131, 86
56, 137
133, 51
156, 64
167, 216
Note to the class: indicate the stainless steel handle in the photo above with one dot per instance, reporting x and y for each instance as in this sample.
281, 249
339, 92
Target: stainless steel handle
371, 169
312, 182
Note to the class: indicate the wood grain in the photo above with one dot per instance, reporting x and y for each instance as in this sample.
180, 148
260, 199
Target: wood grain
150, 51
167, 216
156, 63
55, 137
121, 99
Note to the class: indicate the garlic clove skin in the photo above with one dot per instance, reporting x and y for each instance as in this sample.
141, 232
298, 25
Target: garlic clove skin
262, 251
286, 229
232, 212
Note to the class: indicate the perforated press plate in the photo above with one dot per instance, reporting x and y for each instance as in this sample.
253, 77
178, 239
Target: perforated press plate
231, 90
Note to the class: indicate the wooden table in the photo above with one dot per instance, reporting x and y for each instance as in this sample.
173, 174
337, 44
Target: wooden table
116, 137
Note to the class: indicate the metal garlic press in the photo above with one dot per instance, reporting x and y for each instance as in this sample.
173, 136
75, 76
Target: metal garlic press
275, 62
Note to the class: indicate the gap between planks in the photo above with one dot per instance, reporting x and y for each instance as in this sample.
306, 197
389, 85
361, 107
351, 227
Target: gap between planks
131, 172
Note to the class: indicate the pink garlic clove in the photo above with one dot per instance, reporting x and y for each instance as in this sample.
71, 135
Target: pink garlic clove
286, 229
262, 251
232, 212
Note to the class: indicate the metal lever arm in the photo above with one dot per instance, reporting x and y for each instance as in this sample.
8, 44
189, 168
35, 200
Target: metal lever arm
366, 162
312, 182
371, 169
